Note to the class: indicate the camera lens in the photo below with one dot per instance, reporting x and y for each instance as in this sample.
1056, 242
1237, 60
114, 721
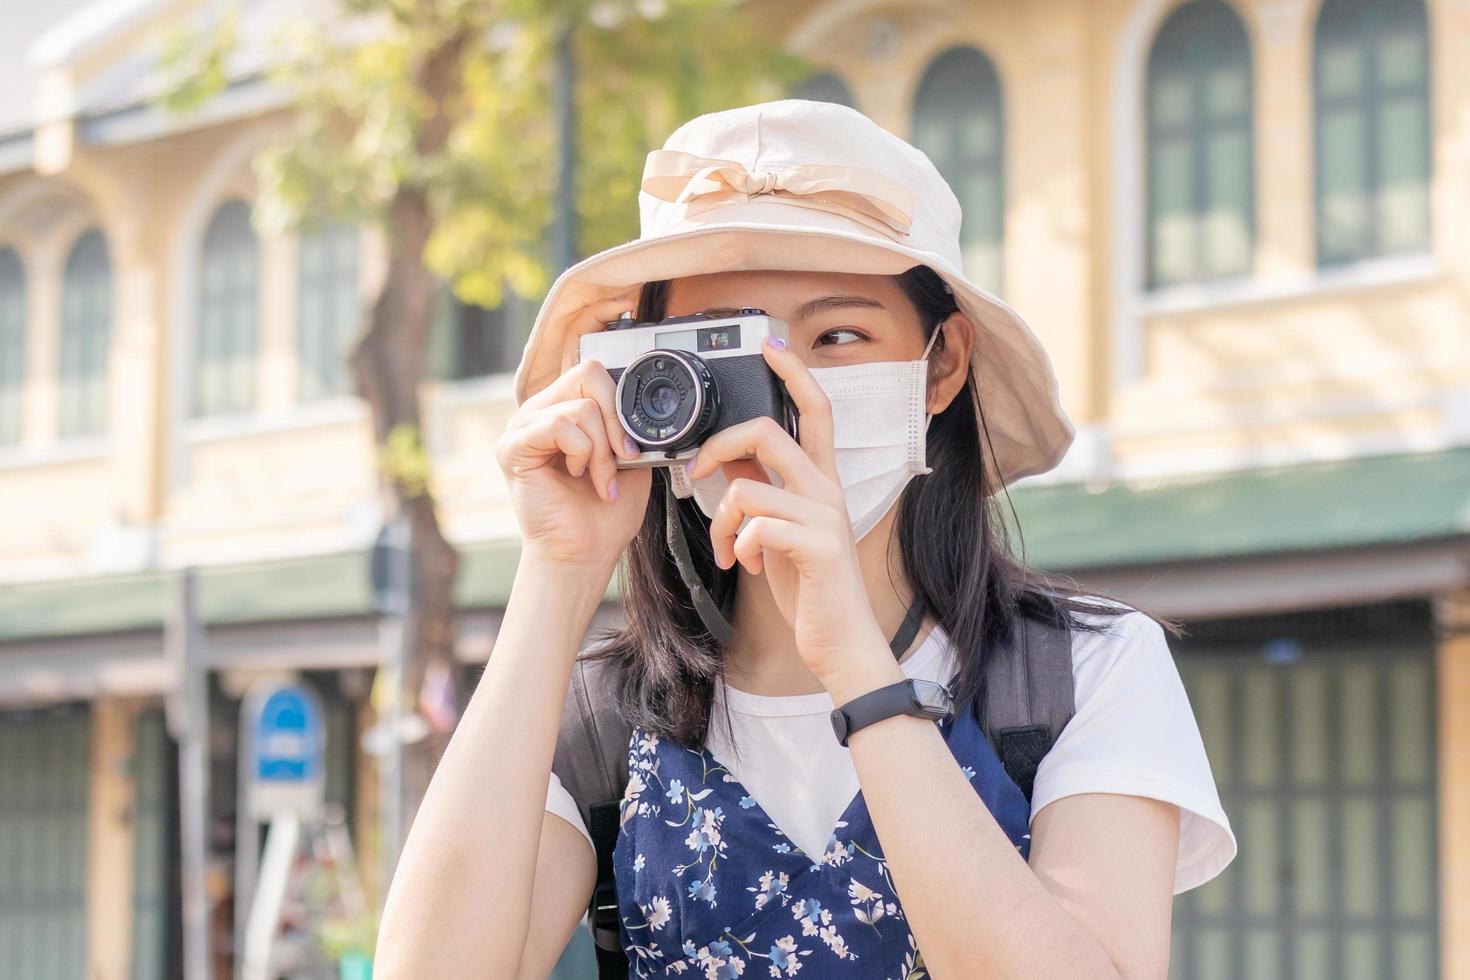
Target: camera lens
666, 399
660, 398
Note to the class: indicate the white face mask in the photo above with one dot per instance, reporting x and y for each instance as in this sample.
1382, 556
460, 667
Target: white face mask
879, 420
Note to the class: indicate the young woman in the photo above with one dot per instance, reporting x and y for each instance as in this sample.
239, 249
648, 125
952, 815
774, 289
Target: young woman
752, 840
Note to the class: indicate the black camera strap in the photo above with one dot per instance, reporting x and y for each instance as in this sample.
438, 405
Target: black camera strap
709, 611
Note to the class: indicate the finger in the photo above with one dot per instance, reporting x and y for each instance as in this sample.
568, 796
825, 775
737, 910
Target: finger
598, 385
574, 430
589, 379
594, 317
764, 534
749, 499
576, 445
764, 439
605, 310
744, 469
601, 466
813, 408
540, 439
568, 384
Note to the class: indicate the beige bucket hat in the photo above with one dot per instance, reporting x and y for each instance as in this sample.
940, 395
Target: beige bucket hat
816, 187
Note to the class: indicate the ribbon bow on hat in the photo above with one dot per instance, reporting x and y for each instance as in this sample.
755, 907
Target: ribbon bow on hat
703, 183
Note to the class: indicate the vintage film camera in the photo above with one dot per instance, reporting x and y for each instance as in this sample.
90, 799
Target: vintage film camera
684, 378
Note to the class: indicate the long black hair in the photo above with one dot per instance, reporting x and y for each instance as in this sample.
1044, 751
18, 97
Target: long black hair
955, 547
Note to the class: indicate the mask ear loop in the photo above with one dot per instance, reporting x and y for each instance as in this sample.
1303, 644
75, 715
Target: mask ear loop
924, 359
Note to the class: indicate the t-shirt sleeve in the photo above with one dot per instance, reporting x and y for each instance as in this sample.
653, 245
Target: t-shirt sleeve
560, 802
1134, 733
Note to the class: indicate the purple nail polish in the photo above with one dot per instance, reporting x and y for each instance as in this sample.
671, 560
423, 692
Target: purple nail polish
689, 464
612, 489
629, 446
777, 342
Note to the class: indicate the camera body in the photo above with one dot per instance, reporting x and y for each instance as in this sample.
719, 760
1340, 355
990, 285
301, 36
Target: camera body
682, 379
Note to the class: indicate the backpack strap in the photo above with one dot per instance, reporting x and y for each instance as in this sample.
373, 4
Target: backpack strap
1029, 696
591, 760
602, 913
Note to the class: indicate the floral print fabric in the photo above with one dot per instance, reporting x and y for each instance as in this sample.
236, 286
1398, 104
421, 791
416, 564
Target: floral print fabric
709, 887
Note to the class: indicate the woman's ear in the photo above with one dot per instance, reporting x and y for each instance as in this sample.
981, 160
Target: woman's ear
949, 364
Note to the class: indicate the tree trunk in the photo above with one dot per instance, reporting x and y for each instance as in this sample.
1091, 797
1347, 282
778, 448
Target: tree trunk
388, 364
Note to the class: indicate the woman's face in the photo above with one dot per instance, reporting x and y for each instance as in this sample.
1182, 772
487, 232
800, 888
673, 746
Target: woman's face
835, 318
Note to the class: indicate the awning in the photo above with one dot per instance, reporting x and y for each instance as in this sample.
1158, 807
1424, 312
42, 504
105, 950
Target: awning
1310, 508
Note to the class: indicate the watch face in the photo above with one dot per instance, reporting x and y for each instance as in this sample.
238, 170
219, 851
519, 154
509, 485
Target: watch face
932, 696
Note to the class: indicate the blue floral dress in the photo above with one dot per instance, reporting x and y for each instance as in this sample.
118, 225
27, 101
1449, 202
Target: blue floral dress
709, 886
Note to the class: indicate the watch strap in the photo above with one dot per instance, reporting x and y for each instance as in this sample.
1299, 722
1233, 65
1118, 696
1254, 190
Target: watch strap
933, 701
884, 702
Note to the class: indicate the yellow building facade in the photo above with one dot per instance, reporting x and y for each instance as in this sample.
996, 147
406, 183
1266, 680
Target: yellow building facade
1239, 228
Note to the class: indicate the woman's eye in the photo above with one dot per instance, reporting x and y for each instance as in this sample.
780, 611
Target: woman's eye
839, 336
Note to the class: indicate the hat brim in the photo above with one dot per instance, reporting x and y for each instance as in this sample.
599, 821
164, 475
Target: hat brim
1028, 431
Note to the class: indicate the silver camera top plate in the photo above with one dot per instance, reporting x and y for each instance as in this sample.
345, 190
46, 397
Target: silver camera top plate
710, 337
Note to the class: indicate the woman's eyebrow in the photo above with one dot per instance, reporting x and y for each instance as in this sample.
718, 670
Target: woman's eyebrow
823, 303
813, 306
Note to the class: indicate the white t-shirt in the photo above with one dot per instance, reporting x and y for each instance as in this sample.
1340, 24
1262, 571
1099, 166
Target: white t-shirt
1133, 733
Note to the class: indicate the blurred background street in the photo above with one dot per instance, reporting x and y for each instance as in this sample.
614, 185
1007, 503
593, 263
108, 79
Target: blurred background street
266, 269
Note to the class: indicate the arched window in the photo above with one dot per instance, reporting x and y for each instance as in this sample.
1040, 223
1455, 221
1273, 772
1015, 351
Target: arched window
86, 320
12, 344
825, 87
958, 123
469, 341
1201, 161
1371, 83
229, 273
327, 308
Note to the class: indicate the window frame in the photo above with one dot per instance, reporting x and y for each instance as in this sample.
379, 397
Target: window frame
991, 98
84, 345
12, 389
1197, 133
335, 283
1368, 104
244, 360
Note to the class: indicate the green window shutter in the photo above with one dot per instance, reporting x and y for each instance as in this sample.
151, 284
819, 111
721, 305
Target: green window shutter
1201, 154
469, 341
45, 782
959, 123
328, 309
1320, 731
825, 87
12, 344
1371, 91
86, 323
225, 351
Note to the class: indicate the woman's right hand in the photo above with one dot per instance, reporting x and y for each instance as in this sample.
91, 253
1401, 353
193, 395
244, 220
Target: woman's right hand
558, 454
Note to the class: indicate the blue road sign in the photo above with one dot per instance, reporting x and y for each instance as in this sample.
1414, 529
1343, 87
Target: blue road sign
288, 741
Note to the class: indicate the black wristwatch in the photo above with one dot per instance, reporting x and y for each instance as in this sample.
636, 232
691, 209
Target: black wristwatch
926, 699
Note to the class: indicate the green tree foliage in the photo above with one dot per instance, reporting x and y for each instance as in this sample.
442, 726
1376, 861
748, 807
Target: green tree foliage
642, 66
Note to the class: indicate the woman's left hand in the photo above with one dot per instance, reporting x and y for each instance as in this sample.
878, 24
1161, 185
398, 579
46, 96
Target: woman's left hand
799, 535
